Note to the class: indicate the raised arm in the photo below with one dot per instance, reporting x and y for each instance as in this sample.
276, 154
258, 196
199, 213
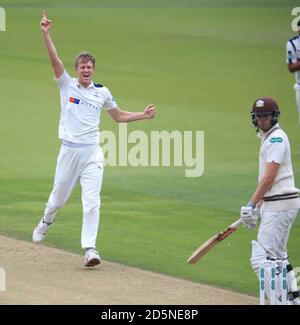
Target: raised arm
56, 63
123, 117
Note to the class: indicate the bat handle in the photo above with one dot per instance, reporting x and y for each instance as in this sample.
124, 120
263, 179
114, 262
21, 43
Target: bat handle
236, 224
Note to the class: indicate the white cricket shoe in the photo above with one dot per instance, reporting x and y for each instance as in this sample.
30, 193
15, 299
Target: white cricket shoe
40, 231
91, 258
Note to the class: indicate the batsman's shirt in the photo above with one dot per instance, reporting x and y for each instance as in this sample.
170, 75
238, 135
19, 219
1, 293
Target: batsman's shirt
275, 147
293, 54
80, 109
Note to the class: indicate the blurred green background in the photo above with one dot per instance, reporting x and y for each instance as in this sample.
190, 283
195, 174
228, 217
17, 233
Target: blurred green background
202, 63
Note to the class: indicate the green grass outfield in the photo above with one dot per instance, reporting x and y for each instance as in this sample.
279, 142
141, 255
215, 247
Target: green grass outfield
202, 63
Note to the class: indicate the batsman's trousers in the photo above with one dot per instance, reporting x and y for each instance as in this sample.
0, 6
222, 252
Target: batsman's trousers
274, 230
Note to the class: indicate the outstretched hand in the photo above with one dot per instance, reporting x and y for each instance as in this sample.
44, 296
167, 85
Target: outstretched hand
45, 23
150, 111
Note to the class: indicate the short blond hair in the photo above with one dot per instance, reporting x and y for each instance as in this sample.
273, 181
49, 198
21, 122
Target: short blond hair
85, 57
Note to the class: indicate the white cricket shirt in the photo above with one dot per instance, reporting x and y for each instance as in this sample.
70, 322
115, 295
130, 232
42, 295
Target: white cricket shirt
293, 54
275, 147
80, 109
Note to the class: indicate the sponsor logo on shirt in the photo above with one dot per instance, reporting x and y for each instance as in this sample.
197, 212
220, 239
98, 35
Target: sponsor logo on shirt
87, 104
74, 100
82, 102
278, 139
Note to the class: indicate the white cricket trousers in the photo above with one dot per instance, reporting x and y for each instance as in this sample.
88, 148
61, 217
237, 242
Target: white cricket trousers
297, 89
274, 230
84, 165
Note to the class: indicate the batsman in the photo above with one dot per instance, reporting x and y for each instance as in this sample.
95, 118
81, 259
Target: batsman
276, 200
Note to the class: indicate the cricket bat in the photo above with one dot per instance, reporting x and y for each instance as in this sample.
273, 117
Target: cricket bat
212, 242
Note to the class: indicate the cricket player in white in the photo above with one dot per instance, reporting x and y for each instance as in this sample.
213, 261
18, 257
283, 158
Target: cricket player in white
277, 197
293, 64
80, 157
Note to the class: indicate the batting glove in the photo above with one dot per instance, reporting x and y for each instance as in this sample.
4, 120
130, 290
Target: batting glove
249, 216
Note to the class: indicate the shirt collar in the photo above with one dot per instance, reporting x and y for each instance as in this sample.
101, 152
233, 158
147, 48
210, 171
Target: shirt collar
91, 85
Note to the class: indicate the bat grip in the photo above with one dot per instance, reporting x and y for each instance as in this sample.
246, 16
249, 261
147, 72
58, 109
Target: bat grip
236, 224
